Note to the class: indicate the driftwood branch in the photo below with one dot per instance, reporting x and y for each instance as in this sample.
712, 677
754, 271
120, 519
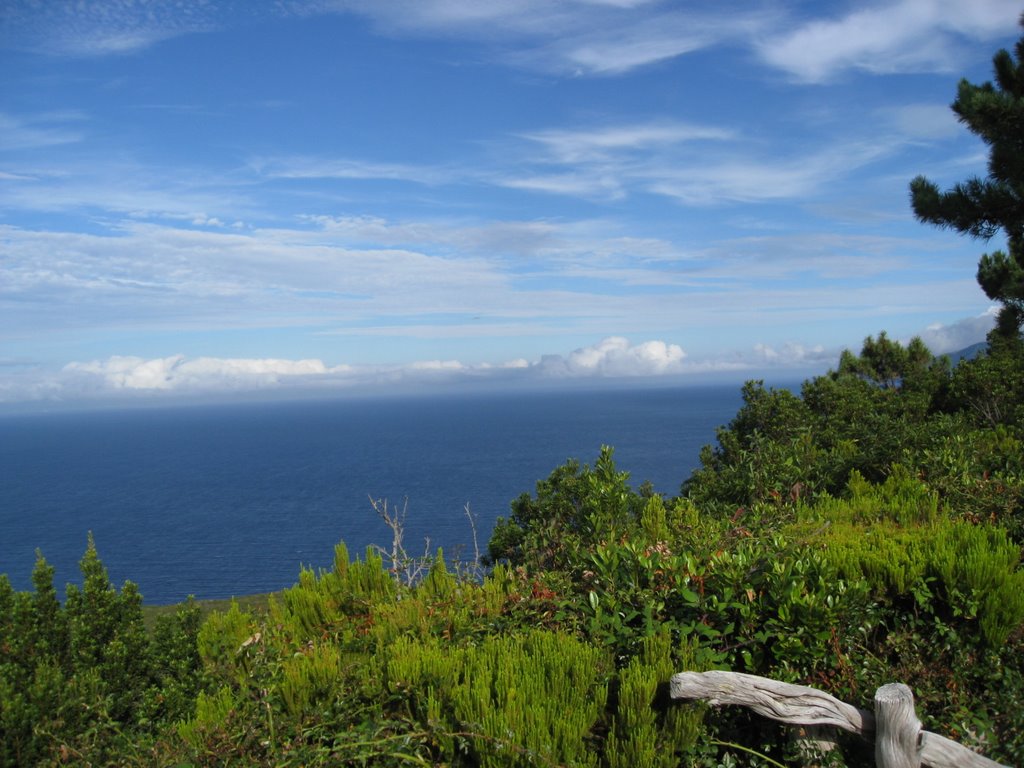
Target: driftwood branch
904, 741
941, 752
788, 703
898, 731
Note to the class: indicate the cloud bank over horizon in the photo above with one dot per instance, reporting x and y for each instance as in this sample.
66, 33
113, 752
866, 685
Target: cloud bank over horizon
614, 358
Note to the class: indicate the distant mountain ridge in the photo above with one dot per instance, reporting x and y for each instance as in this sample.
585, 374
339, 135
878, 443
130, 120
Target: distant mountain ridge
967, 353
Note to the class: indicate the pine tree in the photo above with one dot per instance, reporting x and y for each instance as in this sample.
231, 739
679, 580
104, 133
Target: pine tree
982, 207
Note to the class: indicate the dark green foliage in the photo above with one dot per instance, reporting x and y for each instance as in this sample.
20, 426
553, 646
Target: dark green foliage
990, 388
890, 405
888, 364
574, 508
84, 682
175, 666
983, 207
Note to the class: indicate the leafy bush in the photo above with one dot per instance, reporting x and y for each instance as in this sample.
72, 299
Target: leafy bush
83, 681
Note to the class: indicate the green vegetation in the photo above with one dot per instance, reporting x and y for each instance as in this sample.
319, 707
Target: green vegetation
864, 531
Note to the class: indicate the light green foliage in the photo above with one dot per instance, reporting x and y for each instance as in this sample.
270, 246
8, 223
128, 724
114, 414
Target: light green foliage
646, 731
212, 715
895, 537
439, 584
885, 555
538, 695
358, 583
222, 640
441, 606
901, 499
335, 602
311, 678
515, 700
417, 667
978, 568
654, 520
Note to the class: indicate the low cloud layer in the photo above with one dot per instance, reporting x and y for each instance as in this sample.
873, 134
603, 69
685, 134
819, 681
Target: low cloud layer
612, 357
203, 373
792, 354
129, 378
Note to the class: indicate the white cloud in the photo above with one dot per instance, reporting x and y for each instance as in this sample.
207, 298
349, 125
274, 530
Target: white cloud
925, 121
941, 339
347, 168
615, 356
122, 376
36, 131
437, 365
201, 374
904, 36
573, 146
583, 185
792, 354
694, 164
754, 179
100, 27
202, 220
575, 37
628, 42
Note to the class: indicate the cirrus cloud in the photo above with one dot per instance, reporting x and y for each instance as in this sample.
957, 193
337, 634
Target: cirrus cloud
905, 36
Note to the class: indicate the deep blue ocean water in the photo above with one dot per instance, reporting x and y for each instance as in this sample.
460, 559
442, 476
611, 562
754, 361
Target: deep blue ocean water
227, 500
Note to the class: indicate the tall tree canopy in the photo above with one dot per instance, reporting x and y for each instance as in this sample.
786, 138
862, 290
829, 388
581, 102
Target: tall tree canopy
983, 207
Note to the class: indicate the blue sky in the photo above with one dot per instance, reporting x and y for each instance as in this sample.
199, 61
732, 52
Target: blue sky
207, 196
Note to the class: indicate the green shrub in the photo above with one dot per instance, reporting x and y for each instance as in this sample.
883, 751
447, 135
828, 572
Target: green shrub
978, 569
647, 731
514, 700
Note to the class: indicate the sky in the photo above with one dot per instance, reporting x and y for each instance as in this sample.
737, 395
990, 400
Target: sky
339, 195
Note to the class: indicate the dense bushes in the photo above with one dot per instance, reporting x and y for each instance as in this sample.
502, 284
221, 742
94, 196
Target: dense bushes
960, 428
445, 672
84, 681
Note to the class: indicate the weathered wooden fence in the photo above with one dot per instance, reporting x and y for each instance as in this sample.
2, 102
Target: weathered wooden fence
900, 742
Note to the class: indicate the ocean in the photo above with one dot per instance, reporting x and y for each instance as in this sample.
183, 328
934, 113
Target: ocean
222, 500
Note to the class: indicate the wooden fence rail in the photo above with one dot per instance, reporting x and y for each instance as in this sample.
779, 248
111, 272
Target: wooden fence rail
900, 742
